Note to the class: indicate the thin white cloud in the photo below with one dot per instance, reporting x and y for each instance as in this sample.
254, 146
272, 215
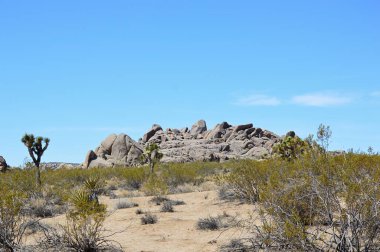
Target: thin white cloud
321, 99
258, 100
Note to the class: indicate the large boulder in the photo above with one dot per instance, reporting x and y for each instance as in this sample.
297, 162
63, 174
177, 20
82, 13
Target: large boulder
198, 128
218, 131
120, 147
243, 127
155, 128
113, 151
91, 155
3, 164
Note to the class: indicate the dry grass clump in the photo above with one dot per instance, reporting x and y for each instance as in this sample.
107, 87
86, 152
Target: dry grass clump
122, 204
149, 218
139, 211
215, 223
158, 200
236, 245
167, 207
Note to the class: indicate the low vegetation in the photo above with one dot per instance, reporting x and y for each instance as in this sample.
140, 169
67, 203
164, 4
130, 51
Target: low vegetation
308, 199
149, 218
311, 200
215, 223
167, 207
122, 204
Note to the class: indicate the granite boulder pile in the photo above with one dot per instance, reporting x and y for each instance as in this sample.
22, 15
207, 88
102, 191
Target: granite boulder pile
197, 143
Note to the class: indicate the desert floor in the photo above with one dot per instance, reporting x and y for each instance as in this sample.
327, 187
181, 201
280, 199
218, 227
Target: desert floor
175, 231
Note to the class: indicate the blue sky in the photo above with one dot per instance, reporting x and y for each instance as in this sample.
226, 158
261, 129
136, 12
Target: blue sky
76, 71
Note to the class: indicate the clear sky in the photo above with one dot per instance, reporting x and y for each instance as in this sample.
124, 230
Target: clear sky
76, 71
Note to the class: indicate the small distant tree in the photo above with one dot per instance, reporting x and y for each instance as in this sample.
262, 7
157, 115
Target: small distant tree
152, 155
36, 148
323, 135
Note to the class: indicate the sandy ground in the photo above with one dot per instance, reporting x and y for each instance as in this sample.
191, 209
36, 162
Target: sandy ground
174, 231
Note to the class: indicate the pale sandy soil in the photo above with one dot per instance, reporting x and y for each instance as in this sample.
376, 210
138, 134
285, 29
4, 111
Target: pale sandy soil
174, 231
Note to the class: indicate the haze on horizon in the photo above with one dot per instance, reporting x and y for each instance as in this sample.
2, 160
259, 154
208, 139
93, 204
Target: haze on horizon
77, 71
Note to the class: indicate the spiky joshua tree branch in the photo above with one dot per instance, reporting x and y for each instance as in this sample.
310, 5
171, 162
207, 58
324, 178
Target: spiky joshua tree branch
36, 149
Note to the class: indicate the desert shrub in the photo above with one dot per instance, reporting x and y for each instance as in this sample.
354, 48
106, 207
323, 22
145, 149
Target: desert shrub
209, 223
84, 229
133, 177
177, 174
149, 218
20, 181
247, 178
214, 223
139, 211
34, 226
41, 209
155, 185
236, 245
122, 204
184, 188
13, 223
167, 207
227, 192
177, 202
321, 202
158, 200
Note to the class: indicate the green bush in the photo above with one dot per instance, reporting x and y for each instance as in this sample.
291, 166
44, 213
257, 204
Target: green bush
12, 221
291, 147
155, 186
317, 203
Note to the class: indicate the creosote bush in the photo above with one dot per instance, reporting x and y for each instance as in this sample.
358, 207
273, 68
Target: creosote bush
317, 202
155, 186
122, 204
13, 223
158, 200
167, 207
149, 218
139, 211
214, 223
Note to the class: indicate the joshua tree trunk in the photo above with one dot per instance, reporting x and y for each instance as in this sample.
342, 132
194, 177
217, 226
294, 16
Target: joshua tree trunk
151, 165
38, 176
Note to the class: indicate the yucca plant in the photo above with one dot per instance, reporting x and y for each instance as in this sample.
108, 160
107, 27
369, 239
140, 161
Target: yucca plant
84, 230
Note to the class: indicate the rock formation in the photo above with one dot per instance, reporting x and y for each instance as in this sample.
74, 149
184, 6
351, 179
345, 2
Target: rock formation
223, 142
3, 164
115, 150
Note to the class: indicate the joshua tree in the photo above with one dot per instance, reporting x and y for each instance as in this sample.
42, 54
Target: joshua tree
36, 150
152, 154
